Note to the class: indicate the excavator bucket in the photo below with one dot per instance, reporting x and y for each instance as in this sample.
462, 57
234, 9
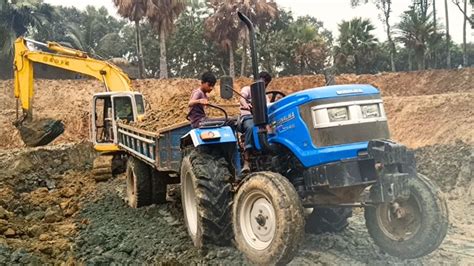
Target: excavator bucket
40, 132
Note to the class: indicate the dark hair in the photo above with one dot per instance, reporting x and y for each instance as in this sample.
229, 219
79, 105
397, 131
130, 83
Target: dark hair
265, 76
209, 77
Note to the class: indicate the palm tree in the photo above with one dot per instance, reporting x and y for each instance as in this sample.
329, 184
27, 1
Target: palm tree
386, 7
356, 48
226, 30
470, 19
162, 15
95, 30
16, 17
448, 37
135, 11
311, 49
415, 29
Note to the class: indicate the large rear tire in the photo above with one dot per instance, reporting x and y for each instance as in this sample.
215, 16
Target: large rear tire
139, 186
206, 198
268, 219
328, 220
410, 228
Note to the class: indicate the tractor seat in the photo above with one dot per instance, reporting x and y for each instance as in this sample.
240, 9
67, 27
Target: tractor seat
218, 122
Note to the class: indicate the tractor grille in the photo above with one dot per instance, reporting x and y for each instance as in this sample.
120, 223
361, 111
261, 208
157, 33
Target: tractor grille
353, 127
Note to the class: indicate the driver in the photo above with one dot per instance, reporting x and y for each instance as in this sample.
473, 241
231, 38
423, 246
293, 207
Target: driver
246, 119
199, 99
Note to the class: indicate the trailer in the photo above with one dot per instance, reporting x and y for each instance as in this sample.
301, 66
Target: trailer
153, 161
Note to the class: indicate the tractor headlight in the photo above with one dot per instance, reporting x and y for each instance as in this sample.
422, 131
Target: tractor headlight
370, 110
337, 114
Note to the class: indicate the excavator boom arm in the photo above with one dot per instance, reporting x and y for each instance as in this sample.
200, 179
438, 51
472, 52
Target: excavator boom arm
113, 77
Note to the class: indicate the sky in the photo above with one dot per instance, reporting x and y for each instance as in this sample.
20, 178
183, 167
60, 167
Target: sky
332, 12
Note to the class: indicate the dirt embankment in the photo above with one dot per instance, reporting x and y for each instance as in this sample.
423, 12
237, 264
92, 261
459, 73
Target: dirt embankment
422, 107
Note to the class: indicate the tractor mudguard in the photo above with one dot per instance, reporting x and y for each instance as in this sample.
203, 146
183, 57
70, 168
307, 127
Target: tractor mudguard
396, 165
208, 136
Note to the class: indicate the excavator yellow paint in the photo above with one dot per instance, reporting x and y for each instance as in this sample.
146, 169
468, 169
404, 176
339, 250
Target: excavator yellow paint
106, 147
114, 79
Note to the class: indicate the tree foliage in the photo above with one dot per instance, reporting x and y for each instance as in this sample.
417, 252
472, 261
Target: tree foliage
415, 30
225, 28
356, 48
205, 30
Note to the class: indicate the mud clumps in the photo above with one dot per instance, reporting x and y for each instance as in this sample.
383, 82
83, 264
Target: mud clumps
118, 234
40, 132
26, 169
450, 166
41, 190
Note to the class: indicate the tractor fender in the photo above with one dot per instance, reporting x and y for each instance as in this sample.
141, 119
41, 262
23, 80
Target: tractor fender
208, 136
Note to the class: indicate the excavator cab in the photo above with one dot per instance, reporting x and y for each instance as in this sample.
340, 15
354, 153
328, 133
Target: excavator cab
118, 102
110, 107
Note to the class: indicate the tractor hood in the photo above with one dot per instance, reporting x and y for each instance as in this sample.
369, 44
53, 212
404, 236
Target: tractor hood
327, 92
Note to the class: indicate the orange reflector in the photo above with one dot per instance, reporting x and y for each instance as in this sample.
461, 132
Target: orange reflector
210, 135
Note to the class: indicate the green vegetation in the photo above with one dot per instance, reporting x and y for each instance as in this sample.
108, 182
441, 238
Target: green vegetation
184, 38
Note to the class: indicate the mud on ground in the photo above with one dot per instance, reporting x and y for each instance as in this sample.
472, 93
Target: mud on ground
63, 216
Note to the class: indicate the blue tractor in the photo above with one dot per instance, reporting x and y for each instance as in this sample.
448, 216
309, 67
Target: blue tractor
319, 153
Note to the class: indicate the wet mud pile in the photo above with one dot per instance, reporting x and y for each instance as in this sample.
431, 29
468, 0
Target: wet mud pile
41, 190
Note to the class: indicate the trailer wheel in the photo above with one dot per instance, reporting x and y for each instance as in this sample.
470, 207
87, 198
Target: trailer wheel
268, 219
159, 187
139, 186
410, 228
206, 198
332, 220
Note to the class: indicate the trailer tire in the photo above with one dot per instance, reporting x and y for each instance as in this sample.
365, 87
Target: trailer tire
421, 227
206, 197
328, 220
159, 187
139, 186
268, 219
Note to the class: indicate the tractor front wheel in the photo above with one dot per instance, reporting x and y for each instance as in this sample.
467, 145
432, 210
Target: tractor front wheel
268, 219
412, 227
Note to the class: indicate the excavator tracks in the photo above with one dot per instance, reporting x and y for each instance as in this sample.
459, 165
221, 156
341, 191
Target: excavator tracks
102, 167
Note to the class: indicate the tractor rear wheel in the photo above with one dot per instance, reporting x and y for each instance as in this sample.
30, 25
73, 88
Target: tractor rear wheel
206, 197
268, 219
412, 227
139, 186
331, 220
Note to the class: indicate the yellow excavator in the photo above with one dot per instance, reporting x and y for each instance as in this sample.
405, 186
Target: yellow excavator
117, 102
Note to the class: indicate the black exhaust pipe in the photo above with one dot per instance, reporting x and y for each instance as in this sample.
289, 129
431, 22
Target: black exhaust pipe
259, 99
253, 43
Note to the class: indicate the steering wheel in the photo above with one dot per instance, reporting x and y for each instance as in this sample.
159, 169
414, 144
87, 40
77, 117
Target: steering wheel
217, 123
274, 94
